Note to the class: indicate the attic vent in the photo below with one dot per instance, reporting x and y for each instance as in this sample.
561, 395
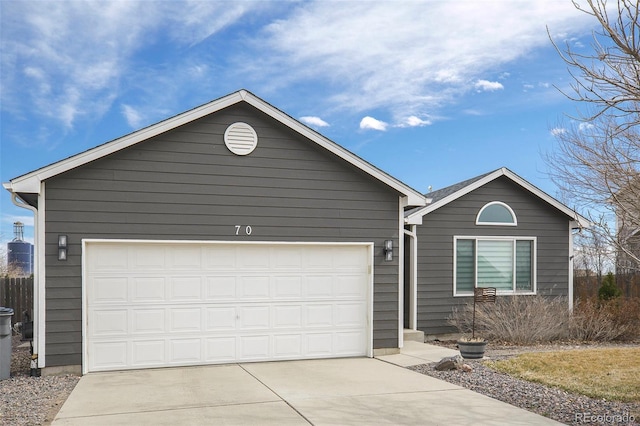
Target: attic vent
240, 138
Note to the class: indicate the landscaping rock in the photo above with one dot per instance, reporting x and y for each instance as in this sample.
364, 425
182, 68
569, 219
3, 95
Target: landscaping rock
466, 368
449, 363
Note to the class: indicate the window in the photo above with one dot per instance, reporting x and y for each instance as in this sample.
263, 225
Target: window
506, 263
496, 213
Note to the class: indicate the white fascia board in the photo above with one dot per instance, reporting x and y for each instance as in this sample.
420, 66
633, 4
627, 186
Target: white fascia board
413, 217
582, 221
31, 181
411, 196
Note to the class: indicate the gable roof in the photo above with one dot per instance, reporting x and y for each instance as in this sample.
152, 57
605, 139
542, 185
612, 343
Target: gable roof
444, 196
30, 182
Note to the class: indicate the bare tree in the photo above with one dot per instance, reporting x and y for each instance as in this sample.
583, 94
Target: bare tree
598, 157
593, 256
8, 269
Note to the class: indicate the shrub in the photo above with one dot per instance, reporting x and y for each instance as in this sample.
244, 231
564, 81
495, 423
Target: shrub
609, 290
526, 320
516, 319
606, 320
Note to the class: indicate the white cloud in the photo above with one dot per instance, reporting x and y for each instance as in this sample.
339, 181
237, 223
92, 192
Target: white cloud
373, 124
414, 121
488, 86
314, 121
556, 131
133, 117
404, 57
68, 61
27, 221
583, 127
78, 53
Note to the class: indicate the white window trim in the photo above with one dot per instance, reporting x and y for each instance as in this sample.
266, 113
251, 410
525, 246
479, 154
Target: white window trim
534, 263
513, 215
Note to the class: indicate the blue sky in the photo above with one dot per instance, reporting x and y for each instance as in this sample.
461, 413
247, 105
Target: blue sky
432, 92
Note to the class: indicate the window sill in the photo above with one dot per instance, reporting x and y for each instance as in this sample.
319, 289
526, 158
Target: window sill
500, 293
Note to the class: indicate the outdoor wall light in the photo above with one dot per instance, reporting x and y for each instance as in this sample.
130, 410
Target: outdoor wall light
62, 247
388, 250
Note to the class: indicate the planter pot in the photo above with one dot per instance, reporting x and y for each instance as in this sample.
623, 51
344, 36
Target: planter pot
472, 350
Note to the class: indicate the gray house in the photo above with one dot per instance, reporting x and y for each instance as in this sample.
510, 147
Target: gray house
234, 233
228, 233
495, 230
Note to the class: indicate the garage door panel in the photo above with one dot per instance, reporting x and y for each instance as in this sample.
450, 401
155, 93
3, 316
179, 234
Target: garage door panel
148, 289
185, 257
349, 315
148, 321
221, 288
350, 286
319, 315
109, 355
147, 257
198, 303
185, 351
350, 258
319, 344
287, 258
186, 320
287, 316
111, 290
108, 259
287, 346
221, 349
254, 317
109, 322
252, 348
319, 287
219, 258
254, 288
253, 258
186, 288
148, 353
287, 287
221, 318
348, 343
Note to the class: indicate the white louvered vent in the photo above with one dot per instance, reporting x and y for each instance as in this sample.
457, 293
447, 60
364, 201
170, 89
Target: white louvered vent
240, 138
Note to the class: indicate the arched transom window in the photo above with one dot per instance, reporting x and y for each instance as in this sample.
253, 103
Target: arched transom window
496, 213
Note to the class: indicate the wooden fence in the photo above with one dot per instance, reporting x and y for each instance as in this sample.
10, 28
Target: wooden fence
17, 293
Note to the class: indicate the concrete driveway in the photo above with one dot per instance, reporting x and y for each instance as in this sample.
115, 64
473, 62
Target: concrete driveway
319, 392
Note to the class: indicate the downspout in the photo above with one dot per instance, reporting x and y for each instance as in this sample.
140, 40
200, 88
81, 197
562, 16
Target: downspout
570, 295
413, 273
400, 257
35, 367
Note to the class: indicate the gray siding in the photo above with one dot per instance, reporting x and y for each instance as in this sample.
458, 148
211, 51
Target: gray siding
186, 185
435, 247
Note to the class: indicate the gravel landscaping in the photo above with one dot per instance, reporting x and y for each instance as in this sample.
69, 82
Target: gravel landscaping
29, 400
550, 402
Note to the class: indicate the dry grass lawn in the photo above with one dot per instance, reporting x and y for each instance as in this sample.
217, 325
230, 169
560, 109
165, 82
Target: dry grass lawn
610, 373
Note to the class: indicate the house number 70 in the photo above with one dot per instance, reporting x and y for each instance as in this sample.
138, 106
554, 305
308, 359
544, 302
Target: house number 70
247, 229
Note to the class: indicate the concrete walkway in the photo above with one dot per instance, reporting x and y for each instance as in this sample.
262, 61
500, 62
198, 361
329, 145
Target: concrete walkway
348, 391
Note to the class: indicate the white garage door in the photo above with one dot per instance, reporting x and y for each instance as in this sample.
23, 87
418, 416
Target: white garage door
151, 304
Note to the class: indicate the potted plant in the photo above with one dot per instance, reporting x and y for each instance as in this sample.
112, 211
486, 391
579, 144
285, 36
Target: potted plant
474, 347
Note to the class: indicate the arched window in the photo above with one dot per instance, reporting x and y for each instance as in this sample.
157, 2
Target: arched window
496, 213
